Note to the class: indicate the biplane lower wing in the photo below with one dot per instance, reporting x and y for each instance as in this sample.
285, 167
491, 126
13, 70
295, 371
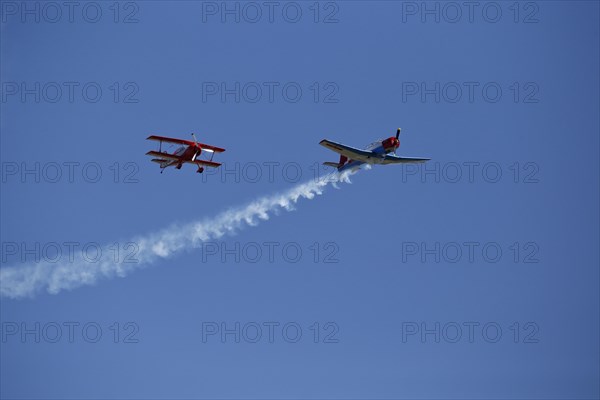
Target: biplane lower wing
167, 157
205, 163
163, 155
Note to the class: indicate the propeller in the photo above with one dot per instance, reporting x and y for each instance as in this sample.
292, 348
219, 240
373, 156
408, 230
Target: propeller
397, 136
195, 145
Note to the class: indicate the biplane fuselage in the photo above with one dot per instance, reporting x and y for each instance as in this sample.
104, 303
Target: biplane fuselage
183, 152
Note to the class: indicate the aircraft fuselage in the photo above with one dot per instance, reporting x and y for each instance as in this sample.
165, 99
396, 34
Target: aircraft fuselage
386, 146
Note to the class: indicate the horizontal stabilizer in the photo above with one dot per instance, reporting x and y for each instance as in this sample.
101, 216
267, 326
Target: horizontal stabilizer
390, 159
331, 164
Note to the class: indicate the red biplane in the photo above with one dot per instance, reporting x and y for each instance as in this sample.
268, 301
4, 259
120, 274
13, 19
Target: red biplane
187, 153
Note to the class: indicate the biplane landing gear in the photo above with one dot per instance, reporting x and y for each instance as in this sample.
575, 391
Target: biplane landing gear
200, 170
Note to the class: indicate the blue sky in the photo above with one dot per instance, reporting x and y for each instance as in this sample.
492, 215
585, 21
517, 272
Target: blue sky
382, 233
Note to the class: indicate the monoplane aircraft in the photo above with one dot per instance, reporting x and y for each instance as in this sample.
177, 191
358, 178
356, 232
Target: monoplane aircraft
382, 151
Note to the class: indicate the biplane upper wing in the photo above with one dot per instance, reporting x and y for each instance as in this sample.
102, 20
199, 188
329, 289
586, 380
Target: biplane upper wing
186, 142
351, 152
390, 159
169, 140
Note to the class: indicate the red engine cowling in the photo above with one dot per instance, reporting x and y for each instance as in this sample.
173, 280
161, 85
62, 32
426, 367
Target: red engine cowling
390, 144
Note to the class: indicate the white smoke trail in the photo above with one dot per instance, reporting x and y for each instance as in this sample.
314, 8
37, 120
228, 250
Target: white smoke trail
28, 280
